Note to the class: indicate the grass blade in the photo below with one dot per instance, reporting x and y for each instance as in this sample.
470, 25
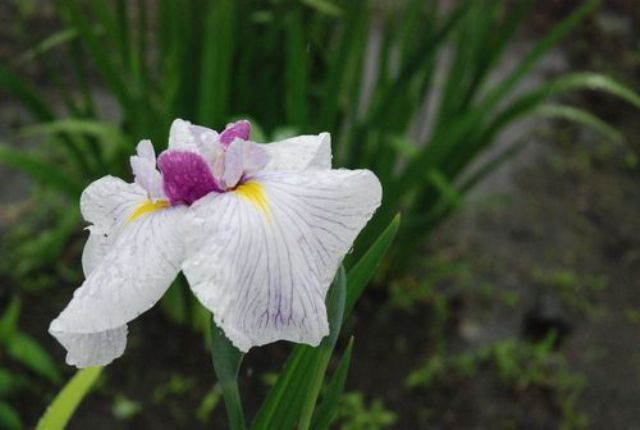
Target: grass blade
27, 351
25, 94
41, 170
104, 63
327, 410
9, 418
217, 53
335, 308
66, 402
580, 116
296, 72
364, 270
56, 39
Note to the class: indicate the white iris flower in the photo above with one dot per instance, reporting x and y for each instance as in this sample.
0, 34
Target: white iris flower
258, 230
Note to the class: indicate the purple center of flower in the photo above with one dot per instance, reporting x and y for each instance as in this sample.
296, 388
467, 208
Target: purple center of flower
186, 177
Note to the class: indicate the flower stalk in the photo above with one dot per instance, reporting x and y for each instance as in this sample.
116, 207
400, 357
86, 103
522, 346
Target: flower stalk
226, 360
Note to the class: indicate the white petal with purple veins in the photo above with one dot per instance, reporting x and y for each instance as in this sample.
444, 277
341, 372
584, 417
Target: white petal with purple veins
93, 349
135, 272
266, 253
300, 153
106, 203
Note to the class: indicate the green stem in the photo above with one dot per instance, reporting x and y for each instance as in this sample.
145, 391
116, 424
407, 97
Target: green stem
314, 389
226, 363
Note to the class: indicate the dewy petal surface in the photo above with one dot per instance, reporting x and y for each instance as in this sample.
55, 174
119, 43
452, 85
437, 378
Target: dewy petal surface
181, 136
93, 349
300, 153
132, 276
267, 252
106, 203
243, 158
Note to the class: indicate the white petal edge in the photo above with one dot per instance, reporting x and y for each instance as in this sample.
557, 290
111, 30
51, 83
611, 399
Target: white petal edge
265, 273
106, 203
181, 136
131, 278
93, 349
300, 153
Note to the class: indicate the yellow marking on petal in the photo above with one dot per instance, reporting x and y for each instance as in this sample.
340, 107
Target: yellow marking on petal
252, 191
148, 206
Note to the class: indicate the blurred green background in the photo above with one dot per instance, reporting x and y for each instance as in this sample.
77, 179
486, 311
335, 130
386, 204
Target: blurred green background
505, 132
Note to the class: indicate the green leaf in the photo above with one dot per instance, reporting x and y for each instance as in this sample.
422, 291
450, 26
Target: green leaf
9, 321
335, 308
226, 362
66, 402
531, 101
296, 71
9, 418
444, 186
106, 64
27, 351
580, 116
25, 94
449, 135
328, 408
217, 53
41, 170
363, 271
299, 382
56, 39
112, 143
208, 404
491, 165
324, 6
94, 128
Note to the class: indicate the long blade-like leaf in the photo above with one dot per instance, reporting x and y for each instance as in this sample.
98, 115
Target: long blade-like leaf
26, 95
335, 304
40, 170
66, 402
326, 411
364, 270
226, 362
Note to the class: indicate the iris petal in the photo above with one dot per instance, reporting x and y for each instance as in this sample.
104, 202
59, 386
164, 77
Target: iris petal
300, 153
135, 272
265, 275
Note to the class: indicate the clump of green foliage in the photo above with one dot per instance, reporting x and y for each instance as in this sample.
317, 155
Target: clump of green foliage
355, 414
363, 70
29, 367
516, 365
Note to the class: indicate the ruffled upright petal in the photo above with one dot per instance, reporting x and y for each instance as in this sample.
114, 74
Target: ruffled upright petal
242, 159
144, 170
267, 252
